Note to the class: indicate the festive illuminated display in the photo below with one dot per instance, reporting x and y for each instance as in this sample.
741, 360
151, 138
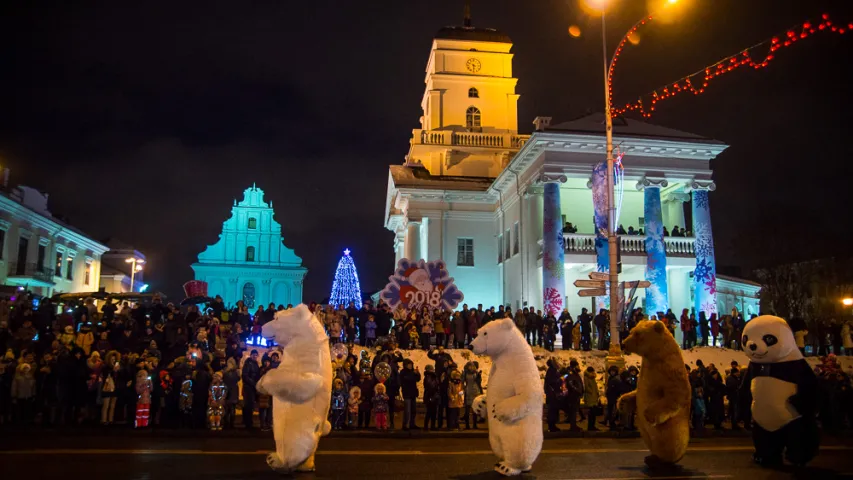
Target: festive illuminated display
345, 288
697, 82
420, 284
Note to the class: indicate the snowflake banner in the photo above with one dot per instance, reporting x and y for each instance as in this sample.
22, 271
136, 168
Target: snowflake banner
599, 205
705, 275
418, 284
656, 295
553, 252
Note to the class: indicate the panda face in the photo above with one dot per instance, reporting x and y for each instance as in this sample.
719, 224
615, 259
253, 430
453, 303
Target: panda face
768, 339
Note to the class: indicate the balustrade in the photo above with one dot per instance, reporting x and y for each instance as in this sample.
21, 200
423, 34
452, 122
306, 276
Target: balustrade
631, 245
470, 139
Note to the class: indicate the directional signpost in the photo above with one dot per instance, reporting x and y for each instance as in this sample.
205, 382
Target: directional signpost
597, 285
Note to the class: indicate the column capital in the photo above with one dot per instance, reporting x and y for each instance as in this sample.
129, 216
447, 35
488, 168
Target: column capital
652, 182
552, 178
707, 185
534, 190
677, 197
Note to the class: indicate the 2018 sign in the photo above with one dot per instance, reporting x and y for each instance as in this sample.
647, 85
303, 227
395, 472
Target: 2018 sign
421, 284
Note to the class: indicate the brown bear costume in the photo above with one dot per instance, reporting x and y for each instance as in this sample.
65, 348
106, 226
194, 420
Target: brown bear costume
662, 398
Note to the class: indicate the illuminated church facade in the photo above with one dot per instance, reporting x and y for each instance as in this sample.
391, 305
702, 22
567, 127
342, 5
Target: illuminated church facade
492, 203
250, 261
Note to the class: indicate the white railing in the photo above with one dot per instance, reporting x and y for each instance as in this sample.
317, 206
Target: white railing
469, 139
631, 245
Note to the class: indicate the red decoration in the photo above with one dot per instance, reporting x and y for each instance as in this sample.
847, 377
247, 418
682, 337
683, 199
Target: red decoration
726, 65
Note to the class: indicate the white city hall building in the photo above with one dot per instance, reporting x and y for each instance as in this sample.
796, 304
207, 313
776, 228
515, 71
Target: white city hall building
471, 191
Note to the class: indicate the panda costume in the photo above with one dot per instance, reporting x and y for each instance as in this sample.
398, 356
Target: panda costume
784, 393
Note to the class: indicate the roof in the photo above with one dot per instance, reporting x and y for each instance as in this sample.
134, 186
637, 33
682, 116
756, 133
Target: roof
419, 177
738, 280
473, 34
624, 127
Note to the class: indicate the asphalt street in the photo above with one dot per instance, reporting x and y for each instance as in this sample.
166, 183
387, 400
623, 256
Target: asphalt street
131, 456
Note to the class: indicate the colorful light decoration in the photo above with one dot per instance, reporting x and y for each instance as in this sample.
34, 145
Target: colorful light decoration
345, 288
619, 183
618, 52
726, 65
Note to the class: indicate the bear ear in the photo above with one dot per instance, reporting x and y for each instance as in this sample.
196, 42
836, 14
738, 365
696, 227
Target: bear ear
507, 324
658, 327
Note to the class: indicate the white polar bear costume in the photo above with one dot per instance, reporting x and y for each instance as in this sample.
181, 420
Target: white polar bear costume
301, 388
513, 399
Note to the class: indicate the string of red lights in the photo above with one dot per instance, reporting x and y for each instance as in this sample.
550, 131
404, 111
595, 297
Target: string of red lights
618, 52
729, 64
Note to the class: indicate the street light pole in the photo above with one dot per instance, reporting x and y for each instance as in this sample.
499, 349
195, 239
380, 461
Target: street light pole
615, 307
135, 264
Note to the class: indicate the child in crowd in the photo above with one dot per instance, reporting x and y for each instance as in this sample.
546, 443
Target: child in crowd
380, 407
353, 403
24, 393
265, 401
414, 338
143, 402
371, 331
351, 330
455, 399
339, 405
216, 402
548, 338
432, 397
366, 385
185, 402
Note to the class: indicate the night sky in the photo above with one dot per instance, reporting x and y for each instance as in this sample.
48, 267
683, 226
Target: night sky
144, 121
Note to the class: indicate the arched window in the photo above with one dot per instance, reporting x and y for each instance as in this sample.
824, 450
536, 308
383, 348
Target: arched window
473, 93
472, 119
250, 254
253, 223
249, 295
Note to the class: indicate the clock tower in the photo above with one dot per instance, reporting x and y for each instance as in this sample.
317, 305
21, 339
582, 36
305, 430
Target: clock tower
469, 104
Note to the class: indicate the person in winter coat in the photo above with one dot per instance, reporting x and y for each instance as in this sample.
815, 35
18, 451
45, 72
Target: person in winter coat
614, 389
455, 399
520, 320
432, 397
143, 402
231, 379
459, 324
426, 330
553, 394
715, 329
216, 402
409, 378
380, 407
24, 394
202, 379
370, 329
686, 327
338, 405
704, 329
440, 357
471, 384
590, 397
576, 336
108, 388
733, 381
353, 404
366, 386
251, 375
846, 339
85, 338
473, 325
573, 387
715, 392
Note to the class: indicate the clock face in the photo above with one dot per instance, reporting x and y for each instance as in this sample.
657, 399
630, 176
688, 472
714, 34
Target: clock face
473, 65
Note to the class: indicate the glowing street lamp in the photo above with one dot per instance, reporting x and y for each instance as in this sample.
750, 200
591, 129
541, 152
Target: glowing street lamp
135, 266
847, 302
615, 354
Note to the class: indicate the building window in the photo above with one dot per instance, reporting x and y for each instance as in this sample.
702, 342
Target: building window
472, 119
253, 223
23, 246
2, 242
42, 256
59, 256
465, 252
473, 93
507, 242
88, 277
515, 232
250, 254
249, 295
500, 248
69, 265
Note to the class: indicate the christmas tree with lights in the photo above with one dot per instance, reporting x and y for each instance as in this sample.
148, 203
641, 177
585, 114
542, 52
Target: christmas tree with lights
345, 288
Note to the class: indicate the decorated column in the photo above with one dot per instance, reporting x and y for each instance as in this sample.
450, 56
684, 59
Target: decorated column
413, 241
599, 206
705, 275
553, 254
656, 294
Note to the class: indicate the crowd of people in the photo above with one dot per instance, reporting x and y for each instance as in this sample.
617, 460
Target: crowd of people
157, 364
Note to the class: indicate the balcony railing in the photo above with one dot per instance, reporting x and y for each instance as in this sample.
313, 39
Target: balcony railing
31, 270
469, 139
631, 245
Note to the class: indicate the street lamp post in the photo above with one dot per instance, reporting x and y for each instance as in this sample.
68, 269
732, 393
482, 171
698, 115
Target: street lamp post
135, 266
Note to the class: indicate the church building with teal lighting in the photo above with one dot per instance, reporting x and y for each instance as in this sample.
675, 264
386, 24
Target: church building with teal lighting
250, 261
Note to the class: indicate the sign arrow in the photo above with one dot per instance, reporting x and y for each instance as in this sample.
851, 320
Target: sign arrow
637, 284
600, 276
592, 292
589, 284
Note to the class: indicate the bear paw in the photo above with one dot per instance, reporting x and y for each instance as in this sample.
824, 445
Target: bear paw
307, 466
480, 408
506, 470
275, 463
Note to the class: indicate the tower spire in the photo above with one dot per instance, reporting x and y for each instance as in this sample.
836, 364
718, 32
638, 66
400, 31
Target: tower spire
467, 14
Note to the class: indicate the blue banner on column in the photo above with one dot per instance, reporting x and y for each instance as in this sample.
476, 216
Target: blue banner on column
553, 254
656, 295
599, 205
705, 275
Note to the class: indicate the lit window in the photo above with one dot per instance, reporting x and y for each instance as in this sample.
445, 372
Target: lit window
250, 254
69, 268
472, 119
465, 252
507, 243
88, 273
473, 93
500, 248
59, 255
253, 223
